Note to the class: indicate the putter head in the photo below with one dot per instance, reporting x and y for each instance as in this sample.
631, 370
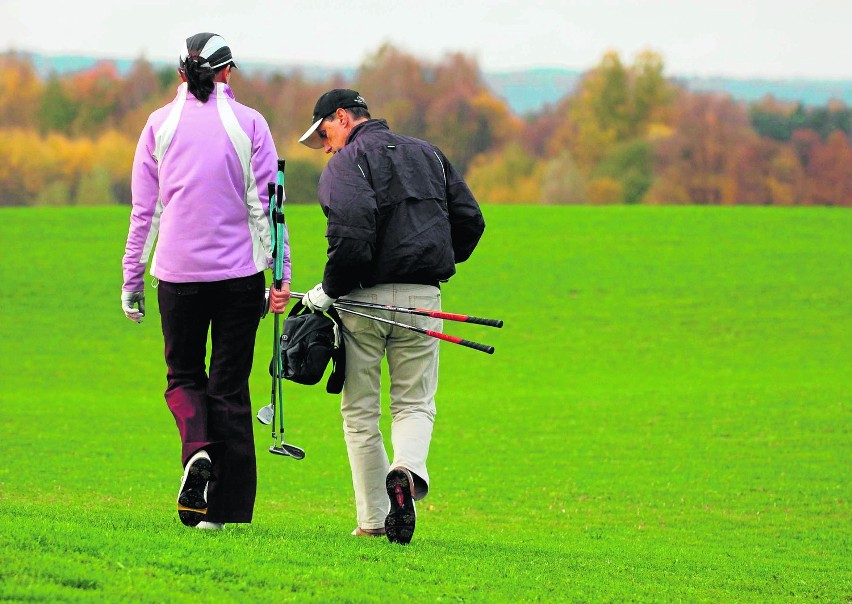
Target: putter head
287, 451
264, 310
266, 414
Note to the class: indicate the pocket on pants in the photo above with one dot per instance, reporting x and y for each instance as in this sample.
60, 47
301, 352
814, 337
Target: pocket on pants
427, 302
353, 323
246, 284
179, 289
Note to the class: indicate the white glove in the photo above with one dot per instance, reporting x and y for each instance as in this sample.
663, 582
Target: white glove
316, 299
128, 299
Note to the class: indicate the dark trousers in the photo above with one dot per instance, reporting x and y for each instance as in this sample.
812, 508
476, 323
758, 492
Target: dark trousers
212, 409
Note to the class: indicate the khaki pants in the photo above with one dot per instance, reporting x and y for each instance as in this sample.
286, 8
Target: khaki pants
413, 368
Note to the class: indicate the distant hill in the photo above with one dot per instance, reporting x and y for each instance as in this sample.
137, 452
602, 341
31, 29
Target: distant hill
529, 90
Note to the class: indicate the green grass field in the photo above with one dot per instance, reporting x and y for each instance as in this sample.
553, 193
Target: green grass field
666, 418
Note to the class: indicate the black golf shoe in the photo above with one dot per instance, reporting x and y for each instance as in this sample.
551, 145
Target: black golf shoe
399, 524
192, 497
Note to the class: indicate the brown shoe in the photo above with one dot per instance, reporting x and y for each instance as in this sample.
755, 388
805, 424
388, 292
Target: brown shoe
359, 532
399, 524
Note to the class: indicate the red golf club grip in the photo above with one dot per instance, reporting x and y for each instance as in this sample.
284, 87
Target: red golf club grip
456, 340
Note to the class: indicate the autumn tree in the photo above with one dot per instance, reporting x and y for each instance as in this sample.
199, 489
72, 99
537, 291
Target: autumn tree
396, 83
699, 158
20, 92
56, 110
96, 92
446, 102
562, 181
829, 172
630, 164
510, 176
615, 104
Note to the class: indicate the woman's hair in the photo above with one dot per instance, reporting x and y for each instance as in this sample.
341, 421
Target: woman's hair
199, 79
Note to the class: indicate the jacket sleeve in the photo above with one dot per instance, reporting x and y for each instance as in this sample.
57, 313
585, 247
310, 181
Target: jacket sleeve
466, 221
144, 215
350, 205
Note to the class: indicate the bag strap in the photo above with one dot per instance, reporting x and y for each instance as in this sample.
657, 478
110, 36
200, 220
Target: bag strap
338, 356
298, 309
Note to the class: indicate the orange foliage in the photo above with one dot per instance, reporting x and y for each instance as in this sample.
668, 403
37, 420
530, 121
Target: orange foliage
829, 172
73, 136
604, 191
20, 92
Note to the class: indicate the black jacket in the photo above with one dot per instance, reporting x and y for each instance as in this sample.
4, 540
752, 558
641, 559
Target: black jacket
397, 212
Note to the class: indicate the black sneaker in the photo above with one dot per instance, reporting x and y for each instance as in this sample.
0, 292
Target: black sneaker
399, 524
192, 497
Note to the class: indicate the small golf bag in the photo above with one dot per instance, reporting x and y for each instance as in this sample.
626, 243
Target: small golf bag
310, 341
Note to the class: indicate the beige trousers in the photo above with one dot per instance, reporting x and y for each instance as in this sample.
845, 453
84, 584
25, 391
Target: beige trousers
413, 368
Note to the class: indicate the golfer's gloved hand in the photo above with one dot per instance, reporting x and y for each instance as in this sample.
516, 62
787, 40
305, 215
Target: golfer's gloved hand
316, 299
128, 300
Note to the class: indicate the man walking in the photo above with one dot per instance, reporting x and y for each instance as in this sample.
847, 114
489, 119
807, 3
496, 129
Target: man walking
399, 219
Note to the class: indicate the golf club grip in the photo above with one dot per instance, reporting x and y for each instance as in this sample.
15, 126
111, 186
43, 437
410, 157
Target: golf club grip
464, 318
456, 340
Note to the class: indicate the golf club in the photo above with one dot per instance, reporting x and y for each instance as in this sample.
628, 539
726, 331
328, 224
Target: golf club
434, 334
276, 405
424, 312
266, 414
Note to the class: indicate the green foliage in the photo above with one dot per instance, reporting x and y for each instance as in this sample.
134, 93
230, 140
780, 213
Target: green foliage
670, 425
630, 164
95, 189
512, 176
302, 179
54, 194
616, 104
779, 123
562, 182
57, 111
707, 149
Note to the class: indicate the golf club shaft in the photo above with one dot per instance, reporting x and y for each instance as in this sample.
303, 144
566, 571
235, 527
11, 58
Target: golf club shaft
434, 334
276, 360
424, 312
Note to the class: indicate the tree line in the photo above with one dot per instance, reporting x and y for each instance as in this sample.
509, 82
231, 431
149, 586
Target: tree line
627, 134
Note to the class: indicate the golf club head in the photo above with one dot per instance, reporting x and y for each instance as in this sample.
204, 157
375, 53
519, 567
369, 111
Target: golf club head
264, 310
266, 414
287, 451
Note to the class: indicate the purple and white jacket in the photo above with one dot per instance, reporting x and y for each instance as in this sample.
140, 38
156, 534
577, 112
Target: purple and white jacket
199, 188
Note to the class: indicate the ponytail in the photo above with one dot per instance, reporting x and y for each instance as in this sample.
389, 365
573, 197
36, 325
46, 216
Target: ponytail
199, 79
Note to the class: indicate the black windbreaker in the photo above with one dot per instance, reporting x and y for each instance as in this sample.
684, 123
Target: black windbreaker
397, 212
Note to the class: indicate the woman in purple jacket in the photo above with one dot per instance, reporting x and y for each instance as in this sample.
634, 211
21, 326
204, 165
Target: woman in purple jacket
199, 188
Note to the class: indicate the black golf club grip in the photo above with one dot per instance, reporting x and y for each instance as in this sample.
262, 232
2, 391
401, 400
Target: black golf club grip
477, 346
488, 322
457, 340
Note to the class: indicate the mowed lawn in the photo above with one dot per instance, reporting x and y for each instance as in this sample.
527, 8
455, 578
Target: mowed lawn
667, 417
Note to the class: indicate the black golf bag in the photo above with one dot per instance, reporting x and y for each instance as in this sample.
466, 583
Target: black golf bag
310, 340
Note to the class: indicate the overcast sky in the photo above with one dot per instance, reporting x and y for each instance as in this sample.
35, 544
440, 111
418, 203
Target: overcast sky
736, 38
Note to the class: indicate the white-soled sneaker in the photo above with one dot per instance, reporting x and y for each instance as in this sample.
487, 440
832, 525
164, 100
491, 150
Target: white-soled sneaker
192, 497
210, 526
